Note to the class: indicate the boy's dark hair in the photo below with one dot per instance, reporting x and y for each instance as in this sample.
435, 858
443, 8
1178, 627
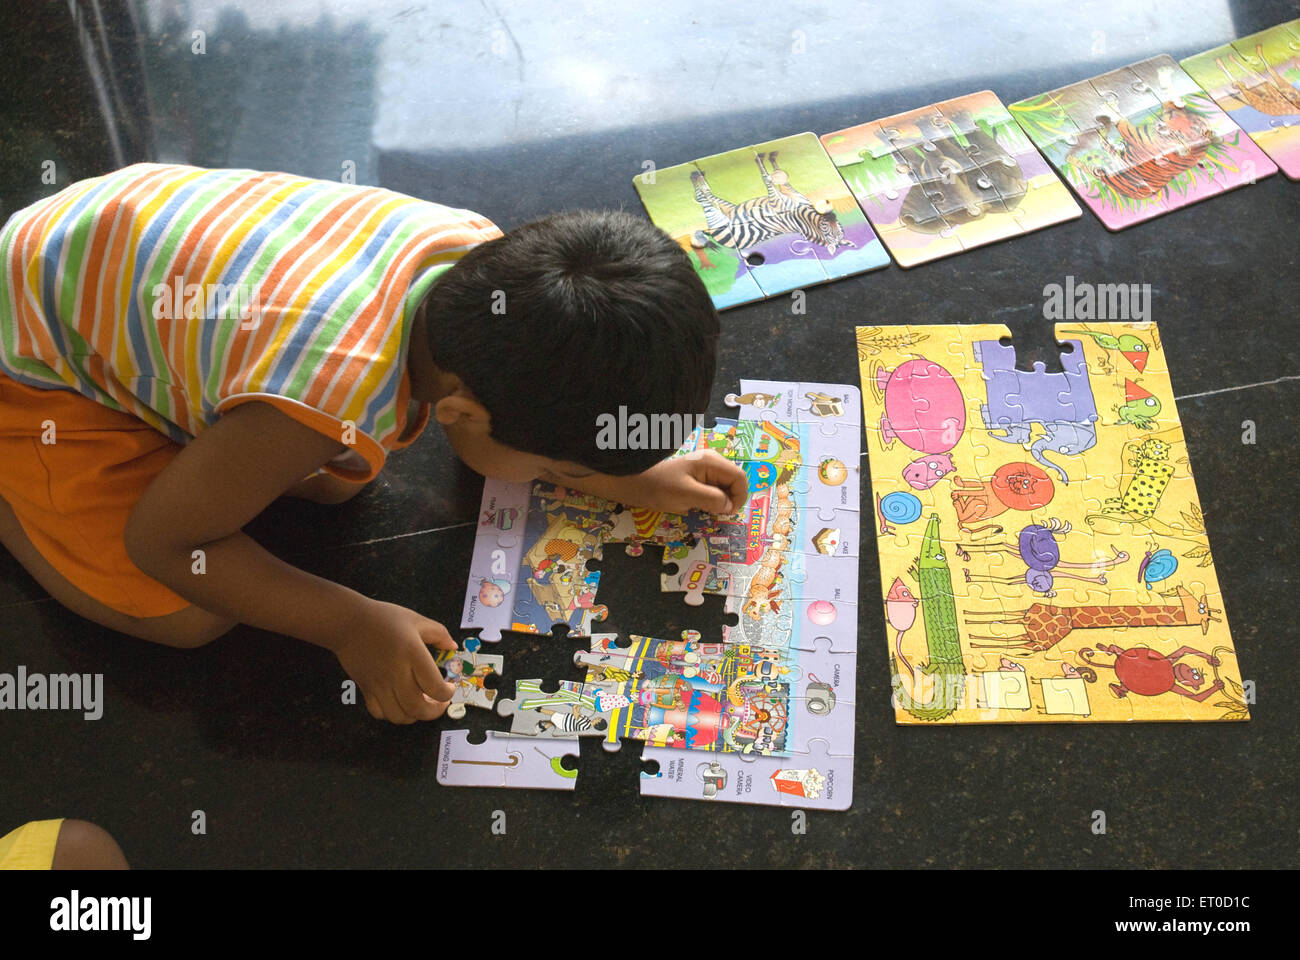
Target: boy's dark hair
568, 318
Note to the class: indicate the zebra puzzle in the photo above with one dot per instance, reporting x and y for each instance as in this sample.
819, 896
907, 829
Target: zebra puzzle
763, 220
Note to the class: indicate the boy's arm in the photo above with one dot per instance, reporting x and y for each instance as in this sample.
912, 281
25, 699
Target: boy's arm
222, 480
703, 480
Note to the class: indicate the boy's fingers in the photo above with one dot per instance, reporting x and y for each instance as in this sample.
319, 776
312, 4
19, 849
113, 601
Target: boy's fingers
737, 483
393, 711
435, 634
722, 473
709, 498
414, 703
372, 705
430, 679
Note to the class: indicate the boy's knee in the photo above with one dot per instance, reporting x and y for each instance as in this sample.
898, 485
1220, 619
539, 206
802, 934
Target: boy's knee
84, 846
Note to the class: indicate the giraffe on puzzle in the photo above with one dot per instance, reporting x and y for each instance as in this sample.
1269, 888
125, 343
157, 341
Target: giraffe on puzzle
1266, 91
1044, 625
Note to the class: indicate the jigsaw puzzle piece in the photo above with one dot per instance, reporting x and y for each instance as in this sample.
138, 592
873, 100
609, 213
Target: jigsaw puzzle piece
565, 531
777, 259
1162, 78
1212, 70
1027, 195
787, 402
1007, 687
693, 572
833, 402
919, 132
819, 782
1065, 696
1125, 93
1114, 350
680, 202
832, 226
572, 710
816, 773
501, 762
797, 577
881, 177
790, 623
1248, 78
472, 674
498, 549
823, 707
825, 486
832, 535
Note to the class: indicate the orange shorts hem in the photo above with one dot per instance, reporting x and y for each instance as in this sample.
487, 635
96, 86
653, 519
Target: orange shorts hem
73, 470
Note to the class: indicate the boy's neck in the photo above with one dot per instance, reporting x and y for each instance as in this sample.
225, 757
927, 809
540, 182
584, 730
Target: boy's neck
428, 383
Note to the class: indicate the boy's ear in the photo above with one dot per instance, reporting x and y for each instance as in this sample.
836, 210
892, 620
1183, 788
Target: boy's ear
457, 407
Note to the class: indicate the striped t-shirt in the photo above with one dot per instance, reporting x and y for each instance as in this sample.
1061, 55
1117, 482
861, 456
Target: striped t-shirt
176, 293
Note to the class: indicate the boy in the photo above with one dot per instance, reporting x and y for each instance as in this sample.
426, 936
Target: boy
179, 347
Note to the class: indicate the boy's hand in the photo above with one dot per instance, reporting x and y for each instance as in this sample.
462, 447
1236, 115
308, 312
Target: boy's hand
703, 480
390, 661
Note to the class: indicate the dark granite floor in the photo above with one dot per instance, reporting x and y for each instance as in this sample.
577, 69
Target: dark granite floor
517, 113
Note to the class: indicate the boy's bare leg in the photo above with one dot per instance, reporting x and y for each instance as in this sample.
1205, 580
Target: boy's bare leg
190, 627
325, 488
84, 846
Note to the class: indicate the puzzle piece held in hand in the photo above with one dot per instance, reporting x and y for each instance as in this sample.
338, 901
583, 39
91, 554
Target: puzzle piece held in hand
470, 672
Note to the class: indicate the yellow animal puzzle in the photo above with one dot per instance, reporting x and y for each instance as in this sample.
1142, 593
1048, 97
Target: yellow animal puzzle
1042, 548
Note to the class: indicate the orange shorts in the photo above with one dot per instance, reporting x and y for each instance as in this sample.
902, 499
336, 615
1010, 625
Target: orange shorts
73, 496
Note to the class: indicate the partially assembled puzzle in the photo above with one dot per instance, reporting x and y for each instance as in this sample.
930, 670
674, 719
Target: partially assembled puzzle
948, 177
763, 712
1257, 81
762, 220
1141, 141
1043, 552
